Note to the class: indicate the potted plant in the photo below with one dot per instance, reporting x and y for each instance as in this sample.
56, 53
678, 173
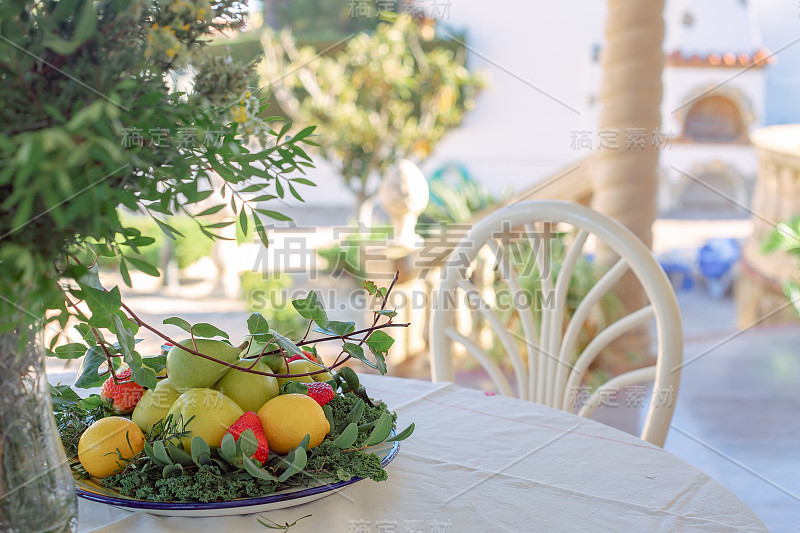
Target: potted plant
89, 126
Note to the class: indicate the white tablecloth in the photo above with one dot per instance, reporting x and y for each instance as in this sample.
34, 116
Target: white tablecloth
479, 462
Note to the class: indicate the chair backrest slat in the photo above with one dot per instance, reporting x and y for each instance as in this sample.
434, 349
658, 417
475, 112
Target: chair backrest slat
544, 358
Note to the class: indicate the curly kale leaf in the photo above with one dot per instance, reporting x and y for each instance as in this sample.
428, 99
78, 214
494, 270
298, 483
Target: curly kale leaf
203, 485
328, 460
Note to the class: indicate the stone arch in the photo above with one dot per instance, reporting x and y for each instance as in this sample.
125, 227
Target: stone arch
721, 114
723, 189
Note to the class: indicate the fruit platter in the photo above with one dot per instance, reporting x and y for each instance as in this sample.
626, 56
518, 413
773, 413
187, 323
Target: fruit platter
213, 427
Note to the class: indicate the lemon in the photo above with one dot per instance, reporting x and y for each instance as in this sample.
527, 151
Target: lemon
288, 418
97, 449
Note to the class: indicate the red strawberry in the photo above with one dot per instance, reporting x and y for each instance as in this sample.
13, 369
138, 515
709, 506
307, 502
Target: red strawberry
250, 421
123, 395
309, 355
321, 392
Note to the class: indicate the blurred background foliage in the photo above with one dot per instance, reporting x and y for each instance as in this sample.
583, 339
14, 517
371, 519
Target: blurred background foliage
380, 99
456, 198
185, 251
268, 294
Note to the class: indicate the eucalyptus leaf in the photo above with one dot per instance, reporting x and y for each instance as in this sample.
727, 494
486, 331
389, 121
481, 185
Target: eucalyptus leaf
328, 414
348, 437
160, 453
199, 447
382, 428
350, 377
228, 445
179, 456
297, 460
172, 470
305, 442
354, 416
253, 469
248, 443
402, 435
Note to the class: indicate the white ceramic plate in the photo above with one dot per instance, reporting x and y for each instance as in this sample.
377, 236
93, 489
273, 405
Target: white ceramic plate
92, 490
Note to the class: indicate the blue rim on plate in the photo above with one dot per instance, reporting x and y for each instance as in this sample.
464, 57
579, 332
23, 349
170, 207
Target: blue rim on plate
133, 503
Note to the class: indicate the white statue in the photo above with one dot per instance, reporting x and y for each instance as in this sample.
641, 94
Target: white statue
404, 195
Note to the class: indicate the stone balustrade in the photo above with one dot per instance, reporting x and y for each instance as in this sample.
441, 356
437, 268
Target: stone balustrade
776, 198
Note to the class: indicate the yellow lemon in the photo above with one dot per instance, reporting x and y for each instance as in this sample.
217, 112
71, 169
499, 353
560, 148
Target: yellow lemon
105, 441
288, 418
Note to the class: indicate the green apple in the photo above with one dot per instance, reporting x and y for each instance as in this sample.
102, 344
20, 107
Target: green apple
154, 405
249, 391
189, 371
213, 414
301, 366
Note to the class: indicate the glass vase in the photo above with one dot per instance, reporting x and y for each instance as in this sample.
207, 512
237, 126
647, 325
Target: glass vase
37, 491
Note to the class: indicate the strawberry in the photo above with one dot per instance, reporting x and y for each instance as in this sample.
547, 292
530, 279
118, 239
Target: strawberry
250, 421
309, 355
321, 392
123, 395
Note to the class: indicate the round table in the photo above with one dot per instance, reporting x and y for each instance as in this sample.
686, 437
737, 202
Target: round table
483, 462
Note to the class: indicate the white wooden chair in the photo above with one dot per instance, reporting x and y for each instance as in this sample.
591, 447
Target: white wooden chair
549, 370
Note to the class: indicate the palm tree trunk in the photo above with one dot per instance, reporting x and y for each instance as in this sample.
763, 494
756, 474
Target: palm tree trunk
625, 178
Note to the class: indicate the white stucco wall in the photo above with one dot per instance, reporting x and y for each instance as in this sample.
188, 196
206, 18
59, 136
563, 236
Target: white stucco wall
520, 129
543, 83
